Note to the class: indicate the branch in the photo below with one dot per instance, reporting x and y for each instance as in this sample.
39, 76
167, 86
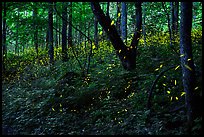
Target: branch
154, 84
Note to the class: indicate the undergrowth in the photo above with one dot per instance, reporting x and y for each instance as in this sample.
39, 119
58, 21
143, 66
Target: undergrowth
39, 98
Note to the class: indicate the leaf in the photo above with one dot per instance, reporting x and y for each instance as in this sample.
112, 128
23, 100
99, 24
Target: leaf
175, 82
168, 92
119, 50
188, 67
189, 59
164, 84
176, 98
112, 22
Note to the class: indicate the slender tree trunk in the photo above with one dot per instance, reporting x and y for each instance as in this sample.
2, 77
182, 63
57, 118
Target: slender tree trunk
187, 64
96, 32
124, 22
4, 38
17, 44
118, 18
59, 34
174, 18
144, 25
35, 30
64, 33
56, 33
108, 5
50, 18
126, 55
70, 27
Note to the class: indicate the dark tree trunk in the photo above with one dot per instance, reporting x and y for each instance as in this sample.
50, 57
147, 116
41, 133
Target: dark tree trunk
70, 27
176, 12
188, 70
124, 22
35, 30
56, 26
64, 32
96, 32
126, 55
50, 26
118, 18
108, 5
143, 24
4, 38
174, 18
17, 28
47, 39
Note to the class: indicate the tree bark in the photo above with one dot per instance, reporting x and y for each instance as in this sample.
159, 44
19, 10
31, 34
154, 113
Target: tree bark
118, 18
4, 38
70, 27
96, 32
50, 26
187, 64
124, 22
143, 24
127, 55
35, 30
64, 33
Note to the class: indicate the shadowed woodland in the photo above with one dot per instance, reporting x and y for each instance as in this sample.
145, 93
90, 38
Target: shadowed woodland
101, 68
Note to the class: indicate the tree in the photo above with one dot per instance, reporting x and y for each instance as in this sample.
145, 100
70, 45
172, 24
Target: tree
50, 36
64, 32
187, 62
96, 32
108, 5
4, 37
127, 55
118, 22
35, 38
143, 24
174, 17
124, 22
70, 27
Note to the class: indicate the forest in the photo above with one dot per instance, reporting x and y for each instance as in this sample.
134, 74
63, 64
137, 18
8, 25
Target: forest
101, 68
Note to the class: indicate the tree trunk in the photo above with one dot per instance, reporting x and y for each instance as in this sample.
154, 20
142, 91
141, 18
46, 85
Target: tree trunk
108, 5
96, 32
35, 30
143, 24
118, 18
126, 55
174, 19
50, 18
70, 27
187, 65
124, 22
64, 33
4, 38
17, 28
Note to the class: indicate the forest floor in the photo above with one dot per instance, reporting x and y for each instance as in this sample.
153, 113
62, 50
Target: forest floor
109, 101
